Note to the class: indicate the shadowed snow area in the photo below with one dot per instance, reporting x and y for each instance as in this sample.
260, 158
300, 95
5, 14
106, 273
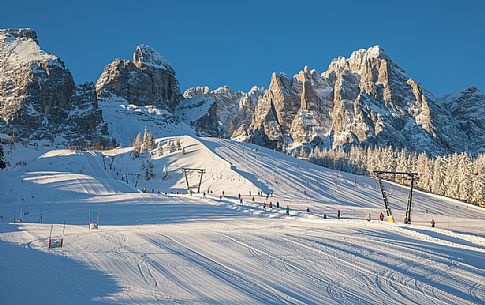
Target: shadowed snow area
157, 248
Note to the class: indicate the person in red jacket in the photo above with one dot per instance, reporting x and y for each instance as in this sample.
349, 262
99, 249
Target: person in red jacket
433, 223
381, 217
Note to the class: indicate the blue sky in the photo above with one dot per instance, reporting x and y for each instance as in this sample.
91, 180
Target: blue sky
441, 44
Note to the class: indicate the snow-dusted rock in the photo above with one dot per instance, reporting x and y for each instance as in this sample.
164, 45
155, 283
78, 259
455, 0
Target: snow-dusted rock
147, 80
366, 99
38, 97
35, 87
468, 110
219, 112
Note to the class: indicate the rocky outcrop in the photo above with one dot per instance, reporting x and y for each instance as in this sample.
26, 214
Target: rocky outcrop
86, 126
364, 100
301, 107
219, 112
468, 109
147, 80
38, 97
35, 86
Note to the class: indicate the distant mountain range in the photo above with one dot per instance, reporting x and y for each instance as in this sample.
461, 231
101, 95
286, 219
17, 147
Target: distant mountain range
365, 99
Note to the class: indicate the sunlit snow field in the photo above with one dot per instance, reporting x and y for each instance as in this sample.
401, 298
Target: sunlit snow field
153, 248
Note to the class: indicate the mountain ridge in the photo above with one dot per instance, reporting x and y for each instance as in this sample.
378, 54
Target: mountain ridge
365, 99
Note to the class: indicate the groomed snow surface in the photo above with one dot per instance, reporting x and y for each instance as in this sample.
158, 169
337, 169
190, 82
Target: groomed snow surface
157, 248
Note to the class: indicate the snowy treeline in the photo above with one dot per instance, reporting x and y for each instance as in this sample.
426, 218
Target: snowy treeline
458, 176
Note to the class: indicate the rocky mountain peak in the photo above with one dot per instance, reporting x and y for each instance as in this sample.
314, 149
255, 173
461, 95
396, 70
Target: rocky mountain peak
195, 91
148, 80
147, 56
38, 97
11, 34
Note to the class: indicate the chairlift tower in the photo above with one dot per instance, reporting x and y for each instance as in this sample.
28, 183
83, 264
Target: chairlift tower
410, 176
190, 170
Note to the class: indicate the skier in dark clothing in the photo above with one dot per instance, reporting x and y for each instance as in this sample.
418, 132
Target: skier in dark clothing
338, 214
324, 216
308, 210
381, 217
270, 205
277, 204
287, 210
239, 196
433, 223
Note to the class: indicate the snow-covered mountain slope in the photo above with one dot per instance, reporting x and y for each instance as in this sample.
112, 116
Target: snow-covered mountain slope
126, 120
156, 249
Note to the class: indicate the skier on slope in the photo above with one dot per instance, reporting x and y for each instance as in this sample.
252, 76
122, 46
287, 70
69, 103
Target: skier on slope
253, 199
308, 210
287, 210
368, 217
433, 223
277, 204
264, 206
239, 196
270, 205
338, 214
381, 217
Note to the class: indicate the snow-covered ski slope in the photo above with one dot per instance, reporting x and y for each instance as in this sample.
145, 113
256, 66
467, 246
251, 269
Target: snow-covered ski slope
161, 249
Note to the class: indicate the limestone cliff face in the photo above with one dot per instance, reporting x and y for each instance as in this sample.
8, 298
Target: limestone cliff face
38, 97
376, 103
221, 112
468, 109
147, 80
365, 99
85, 125
296, 109
35, 86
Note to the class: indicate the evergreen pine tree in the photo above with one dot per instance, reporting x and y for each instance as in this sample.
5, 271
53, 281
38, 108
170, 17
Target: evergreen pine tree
165, 173
2, 162
160, 149
137, 145
148, 141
